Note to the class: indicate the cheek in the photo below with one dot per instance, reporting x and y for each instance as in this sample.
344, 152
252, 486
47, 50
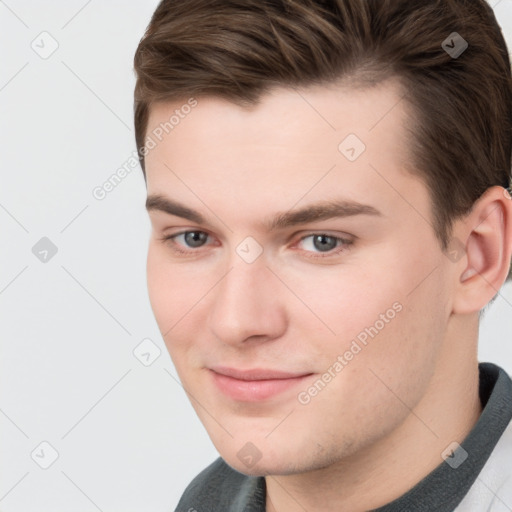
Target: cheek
381, 323
373, 386
347, 306
160, 283
171, 292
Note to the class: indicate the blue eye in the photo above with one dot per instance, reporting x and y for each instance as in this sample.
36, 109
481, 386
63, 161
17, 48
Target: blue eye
194, 238
322, 242
317, 245
322, 245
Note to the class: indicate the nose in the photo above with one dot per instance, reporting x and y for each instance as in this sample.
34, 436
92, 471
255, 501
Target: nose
248, 304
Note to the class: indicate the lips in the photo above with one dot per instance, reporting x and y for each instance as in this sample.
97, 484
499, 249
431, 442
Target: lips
254, 384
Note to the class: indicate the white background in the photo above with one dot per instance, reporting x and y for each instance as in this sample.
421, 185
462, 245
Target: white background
126, 436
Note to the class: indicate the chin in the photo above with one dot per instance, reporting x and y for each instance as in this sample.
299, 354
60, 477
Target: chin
267, 465
259, 469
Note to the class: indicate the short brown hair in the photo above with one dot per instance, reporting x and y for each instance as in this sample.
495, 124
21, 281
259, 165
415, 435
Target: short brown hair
239, 49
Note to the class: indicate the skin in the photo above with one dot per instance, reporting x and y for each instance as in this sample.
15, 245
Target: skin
380, 425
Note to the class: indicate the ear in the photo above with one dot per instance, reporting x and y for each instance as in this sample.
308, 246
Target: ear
488, 233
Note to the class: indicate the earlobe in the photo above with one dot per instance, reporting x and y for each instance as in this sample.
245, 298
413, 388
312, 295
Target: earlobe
488, 234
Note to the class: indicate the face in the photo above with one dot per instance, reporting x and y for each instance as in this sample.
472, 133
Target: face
299, 280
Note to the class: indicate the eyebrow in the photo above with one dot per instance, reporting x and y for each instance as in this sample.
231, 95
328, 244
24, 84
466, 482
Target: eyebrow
319, 211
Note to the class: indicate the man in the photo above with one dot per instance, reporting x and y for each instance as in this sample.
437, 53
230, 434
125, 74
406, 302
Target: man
327, 187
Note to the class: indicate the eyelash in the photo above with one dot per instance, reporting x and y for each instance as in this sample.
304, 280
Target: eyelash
333, 252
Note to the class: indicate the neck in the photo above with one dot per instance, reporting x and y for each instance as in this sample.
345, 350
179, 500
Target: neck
392, 465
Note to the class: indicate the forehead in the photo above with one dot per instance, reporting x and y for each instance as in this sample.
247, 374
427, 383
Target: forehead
295, 145
285, 114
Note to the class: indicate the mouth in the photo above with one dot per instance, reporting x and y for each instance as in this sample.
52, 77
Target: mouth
255, 384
